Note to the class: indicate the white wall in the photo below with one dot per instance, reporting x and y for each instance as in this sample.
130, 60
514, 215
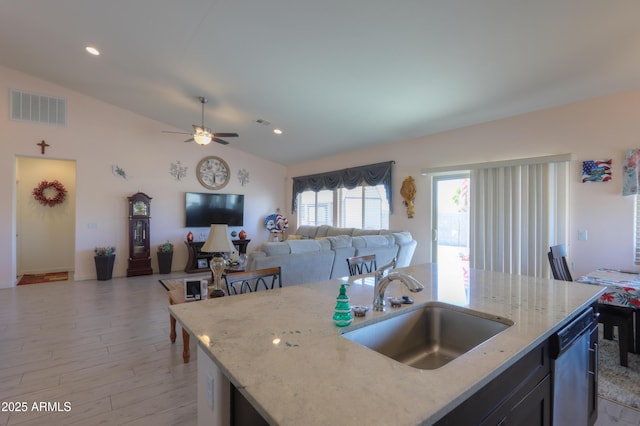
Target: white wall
595, 129
100, 135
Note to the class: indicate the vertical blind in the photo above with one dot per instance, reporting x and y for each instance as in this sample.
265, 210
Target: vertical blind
517, 212
518, 209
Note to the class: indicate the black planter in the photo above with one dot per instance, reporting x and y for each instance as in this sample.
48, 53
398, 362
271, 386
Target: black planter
104, 267
164, 261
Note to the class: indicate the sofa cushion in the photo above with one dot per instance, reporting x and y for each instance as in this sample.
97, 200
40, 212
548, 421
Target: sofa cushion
333, 231
294, 237
322, 231
340, 241
373, 241
275, 248
305, 246
402, 237
359, 232
307, 231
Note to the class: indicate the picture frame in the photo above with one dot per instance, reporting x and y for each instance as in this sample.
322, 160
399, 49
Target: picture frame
596, 171
203, 263
192, 289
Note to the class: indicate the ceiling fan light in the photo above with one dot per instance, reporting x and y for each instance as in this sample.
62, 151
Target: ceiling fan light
202, 139
92, 50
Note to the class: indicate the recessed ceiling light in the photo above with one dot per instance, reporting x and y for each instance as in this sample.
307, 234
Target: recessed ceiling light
92, 50
277, 131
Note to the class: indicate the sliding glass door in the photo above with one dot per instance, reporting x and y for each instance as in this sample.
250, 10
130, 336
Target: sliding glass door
450, 239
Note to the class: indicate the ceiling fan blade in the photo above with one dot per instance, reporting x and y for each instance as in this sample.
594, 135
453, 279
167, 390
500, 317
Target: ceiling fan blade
205, 131
177, 133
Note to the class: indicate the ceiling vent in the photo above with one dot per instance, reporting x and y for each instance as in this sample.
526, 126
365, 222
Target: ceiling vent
36, 108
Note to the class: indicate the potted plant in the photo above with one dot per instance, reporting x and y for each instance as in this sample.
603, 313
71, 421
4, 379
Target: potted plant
165, 256
105, 257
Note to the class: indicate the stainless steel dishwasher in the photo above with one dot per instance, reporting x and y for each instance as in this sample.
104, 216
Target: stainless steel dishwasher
574, 371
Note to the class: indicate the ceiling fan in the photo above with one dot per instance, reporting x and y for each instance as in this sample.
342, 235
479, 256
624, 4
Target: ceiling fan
203, 135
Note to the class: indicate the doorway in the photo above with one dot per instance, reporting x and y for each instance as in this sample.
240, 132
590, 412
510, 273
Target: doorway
45, 236
450, 235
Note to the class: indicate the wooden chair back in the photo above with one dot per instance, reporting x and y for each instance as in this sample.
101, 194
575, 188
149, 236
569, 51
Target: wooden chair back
250, 281
359, 265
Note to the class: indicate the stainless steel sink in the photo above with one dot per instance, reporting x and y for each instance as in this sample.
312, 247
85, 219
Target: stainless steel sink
430, 336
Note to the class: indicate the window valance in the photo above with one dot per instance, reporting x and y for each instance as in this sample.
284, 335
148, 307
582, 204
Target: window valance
371, 175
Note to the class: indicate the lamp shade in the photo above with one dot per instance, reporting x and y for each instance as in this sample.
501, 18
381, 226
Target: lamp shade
218, 240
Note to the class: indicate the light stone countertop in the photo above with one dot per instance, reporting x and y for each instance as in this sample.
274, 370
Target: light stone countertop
283, 351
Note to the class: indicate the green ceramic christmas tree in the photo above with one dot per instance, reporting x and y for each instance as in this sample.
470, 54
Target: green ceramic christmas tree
342, 316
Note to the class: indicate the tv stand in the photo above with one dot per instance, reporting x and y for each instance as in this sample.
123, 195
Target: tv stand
199, 261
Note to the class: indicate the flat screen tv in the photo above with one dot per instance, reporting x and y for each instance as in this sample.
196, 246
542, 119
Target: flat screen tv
204, 209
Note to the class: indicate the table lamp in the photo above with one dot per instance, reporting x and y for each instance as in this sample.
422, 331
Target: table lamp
218, 242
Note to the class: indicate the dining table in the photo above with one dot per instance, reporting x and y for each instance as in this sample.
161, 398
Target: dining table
623, 290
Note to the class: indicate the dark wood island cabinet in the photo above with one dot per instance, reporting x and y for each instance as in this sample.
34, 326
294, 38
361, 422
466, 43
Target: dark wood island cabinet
524, 393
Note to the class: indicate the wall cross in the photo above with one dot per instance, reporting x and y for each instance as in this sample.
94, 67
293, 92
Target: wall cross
42, 146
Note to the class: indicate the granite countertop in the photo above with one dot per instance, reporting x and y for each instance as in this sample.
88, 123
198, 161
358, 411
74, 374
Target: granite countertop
283, 351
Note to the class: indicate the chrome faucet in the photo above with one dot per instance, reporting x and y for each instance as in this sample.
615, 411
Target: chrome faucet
382, 280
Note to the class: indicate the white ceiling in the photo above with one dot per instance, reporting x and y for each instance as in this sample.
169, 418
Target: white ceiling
335, 75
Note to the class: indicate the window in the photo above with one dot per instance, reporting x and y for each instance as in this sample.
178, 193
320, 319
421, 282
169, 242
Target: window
364, 207
315, 208
370, 175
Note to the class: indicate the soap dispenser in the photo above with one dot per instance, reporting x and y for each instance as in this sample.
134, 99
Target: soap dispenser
342, 316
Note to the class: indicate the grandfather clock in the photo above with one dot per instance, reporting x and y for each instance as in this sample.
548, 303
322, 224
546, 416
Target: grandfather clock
139, 248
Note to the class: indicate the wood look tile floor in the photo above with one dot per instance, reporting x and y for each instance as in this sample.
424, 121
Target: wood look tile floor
102, 348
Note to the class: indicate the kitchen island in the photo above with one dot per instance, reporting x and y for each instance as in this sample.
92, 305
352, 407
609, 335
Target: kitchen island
282, 352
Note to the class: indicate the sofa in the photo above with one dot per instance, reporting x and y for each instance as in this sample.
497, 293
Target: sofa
318, 253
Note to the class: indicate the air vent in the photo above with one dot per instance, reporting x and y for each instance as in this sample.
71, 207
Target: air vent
36, 108
263, 122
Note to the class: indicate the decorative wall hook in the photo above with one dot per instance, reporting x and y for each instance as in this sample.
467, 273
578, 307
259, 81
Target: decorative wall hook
408, 192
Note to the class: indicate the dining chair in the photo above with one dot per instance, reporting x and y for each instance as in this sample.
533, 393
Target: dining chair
250, 281
608, 315
359, 265
558, 261
617, 316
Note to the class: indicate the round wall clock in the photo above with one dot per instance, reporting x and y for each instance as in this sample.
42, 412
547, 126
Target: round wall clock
213, 172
